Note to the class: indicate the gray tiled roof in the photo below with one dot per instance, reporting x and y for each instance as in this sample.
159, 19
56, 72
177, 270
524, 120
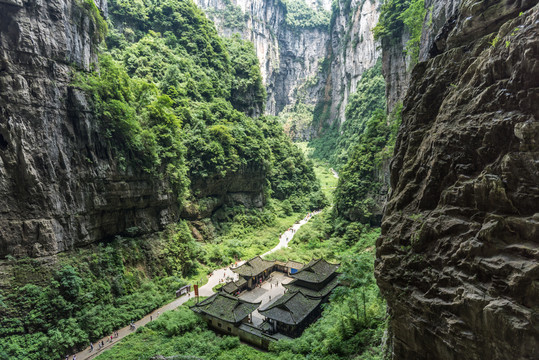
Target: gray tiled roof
316, 271
291, 308
254, 267
233, 286
225, 307
292, 286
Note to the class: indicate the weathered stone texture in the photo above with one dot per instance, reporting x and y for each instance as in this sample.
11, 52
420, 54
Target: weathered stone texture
458, 259
60, 185
291, 58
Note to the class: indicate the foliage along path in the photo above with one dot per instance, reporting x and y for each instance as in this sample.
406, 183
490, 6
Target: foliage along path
205, 290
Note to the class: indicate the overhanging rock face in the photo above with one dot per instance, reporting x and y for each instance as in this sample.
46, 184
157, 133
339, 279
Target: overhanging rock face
458, 259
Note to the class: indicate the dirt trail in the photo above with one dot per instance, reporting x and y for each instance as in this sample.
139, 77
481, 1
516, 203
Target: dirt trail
205, 290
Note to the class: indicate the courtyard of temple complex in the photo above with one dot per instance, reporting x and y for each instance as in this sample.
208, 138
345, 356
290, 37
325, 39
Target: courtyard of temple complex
265, 301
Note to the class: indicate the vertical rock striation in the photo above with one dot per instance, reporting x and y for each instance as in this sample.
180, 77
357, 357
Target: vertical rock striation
60, 185
458, 259
290, 57
312, 64
353, 51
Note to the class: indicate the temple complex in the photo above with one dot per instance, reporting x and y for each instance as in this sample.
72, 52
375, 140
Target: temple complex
300, 293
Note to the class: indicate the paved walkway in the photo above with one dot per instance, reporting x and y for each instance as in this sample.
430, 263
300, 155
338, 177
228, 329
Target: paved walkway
271, 289
289, 234
205, 290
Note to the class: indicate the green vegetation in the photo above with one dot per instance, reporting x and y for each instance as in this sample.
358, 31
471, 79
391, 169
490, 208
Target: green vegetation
172, 99
322, 171
301, 15
352, 323
87, 295
336, 143
176, 103
360, 183
395, 17
359, 150
98, 25
233, 16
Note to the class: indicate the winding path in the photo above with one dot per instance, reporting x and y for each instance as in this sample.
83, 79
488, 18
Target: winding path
205, 290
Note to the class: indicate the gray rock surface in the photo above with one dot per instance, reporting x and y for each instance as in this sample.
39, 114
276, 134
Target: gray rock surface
458, 259
291, 58
60, 186
60, 183
353, 50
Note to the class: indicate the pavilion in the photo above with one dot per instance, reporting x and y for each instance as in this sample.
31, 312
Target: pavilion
316, 279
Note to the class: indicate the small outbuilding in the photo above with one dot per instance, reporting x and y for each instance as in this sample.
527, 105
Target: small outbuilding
235, 287
255, 271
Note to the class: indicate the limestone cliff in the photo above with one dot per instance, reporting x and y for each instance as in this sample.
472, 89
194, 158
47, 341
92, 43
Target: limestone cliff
59, 183
458, 259
353, 50
290, 57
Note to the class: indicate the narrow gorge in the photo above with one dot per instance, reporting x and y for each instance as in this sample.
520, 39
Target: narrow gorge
147, 146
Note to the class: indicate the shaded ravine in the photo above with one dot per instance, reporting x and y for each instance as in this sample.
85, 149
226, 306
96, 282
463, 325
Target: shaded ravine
205, 290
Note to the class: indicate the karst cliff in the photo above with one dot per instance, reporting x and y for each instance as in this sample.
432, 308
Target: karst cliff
458, 257
63, 184
300, 63
60, 185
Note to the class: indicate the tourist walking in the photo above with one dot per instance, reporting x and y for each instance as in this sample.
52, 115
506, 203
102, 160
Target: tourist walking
91, 347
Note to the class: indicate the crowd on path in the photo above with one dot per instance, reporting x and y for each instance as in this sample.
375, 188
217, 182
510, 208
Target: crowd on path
216, 277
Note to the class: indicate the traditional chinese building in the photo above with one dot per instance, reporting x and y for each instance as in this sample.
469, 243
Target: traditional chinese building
291, 313
255, 271
225, 313
235, 287
316, 279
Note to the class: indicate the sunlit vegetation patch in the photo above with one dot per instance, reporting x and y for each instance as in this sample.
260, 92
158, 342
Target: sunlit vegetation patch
352, 324
301, 15
398, 16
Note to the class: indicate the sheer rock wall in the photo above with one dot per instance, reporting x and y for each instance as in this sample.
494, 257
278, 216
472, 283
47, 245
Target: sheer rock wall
291, 58
458, 259
353, 51
60, 186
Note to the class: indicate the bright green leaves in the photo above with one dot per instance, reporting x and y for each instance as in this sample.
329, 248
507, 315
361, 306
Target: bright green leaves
301, 15
413, 20
138, 121
398, 15
247, 93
